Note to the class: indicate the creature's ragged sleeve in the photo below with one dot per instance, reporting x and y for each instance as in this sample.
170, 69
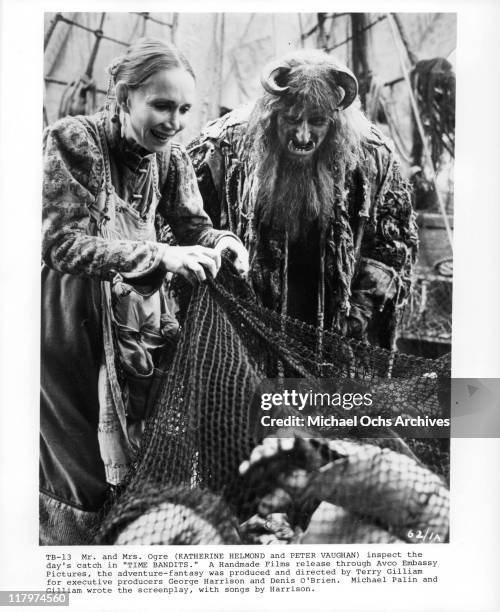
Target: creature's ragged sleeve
205, 156
73, 175
388, 252
216, 156
182, 206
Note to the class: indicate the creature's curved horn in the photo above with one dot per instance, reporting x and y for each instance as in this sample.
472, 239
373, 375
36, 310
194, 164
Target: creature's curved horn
346, 80
269, 75
341, 96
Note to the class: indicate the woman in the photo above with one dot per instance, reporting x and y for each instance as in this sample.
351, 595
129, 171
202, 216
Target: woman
113, 183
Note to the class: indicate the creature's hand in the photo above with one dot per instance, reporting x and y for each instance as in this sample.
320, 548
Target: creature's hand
358, 320
240, 254
191, 262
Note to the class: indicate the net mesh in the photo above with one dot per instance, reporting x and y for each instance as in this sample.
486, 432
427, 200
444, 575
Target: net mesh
429, 318
187, 486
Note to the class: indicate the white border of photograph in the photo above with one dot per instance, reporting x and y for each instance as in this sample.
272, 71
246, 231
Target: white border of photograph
469, 565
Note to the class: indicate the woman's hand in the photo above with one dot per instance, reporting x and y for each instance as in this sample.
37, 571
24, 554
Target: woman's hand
191, 262
240, 261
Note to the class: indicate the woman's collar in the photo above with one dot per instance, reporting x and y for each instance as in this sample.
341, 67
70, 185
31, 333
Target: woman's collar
128, 150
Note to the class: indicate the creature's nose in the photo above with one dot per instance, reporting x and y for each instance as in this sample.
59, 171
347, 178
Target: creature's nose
303, 133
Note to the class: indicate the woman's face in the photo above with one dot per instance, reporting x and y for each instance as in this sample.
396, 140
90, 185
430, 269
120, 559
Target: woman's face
158, 110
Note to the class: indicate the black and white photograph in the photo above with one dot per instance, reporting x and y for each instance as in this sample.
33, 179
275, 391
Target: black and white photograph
249, 258
297, 171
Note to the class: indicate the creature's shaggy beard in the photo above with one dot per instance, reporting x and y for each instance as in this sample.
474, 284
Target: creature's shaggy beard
293, 193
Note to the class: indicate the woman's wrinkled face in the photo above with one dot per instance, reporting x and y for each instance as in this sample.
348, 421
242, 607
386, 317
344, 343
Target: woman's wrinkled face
158, 110
301, 134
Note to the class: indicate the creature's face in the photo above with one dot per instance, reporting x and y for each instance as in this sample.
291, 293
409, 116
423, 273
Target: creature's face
301, 133
158, 110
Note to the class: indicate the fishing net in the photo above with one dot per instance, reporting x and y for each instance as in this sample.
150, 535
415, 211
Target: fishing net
311, 484
429, 317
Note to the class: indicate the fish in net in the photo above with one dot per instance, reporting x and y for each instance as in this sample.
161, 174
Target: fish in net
206, 475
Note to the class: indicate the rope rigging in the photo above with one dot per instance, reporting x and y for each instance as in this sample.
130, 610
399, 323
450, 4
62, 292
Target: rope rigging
348, 39
80, 95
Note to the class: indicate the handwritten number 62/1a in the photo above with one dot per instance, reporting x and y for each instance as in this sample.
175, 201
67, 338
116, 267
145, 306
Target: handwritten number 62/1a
423, 536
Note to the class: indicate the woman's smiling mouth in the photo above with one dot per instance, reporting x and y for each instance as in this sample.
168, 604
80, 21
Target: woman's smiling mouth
160, 135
